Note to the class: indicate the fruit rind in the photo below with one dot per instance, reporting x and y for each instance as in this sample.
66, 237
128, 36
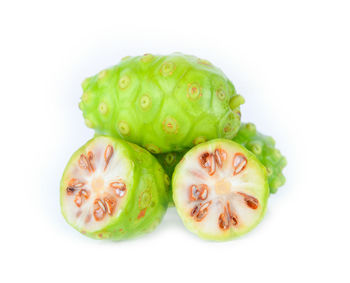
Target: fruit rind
134, 217
263, 187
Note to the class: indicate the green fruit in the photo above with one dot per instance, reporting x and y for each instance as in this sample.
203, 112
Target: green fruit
112, 189
163, 103
169, 161
262, 146
264, 149
220, 190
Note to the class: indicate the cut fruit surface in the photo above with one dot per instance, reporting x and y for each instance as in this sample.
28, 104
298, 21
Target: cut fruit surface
261, 145
103, 184
220, 190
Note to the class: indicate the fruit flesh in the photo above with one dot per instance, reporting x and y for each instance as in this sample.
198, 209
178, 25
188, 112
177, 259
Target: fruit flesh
261, 145
220, 190
112, 189
163, 103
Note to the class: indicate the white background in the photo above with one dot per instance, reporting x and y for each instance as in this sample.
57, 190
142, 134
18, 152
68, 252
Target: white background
289, 59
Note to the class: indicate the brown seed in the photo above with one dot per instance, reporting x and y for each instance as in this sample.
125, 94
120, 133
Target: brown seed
239, 163
251, 201
201, 214
90, 157
234, 220
207, 161
85, 163
119, 188
227, 218
232, 216
110, 205
84, 193
74, 183
203, 188
100, 210
212, 165
203, 160
78, 200
108, 155
194, 193
101, 205
70, 191
198, 192
195, 210
200, 211
220, 156
222, 221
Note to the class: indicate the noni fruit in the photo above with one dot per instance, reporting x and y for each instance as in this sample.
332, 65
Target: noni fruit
163, 103
220, 190
262, 146
112, 189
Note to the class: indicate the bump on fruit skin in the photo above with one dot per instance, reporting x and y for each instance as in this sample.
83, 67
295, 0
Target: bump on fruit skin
147, 197
262, 146
264, 149
169, 161
163, 101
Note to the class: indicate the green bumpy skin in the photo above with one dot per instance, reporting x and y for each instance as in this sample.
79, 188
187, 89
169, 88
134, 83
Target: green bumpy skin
145, 198
169, 161
162, 103
262, 146
264, 149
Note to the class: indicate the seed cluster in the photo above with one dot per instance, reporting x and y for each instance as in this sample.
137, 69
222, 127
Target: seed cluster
102, 205
212, 162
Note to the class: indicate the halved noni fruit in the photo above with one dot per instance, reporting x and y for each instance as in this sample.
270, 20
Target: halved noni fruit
220, 190
112, 189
